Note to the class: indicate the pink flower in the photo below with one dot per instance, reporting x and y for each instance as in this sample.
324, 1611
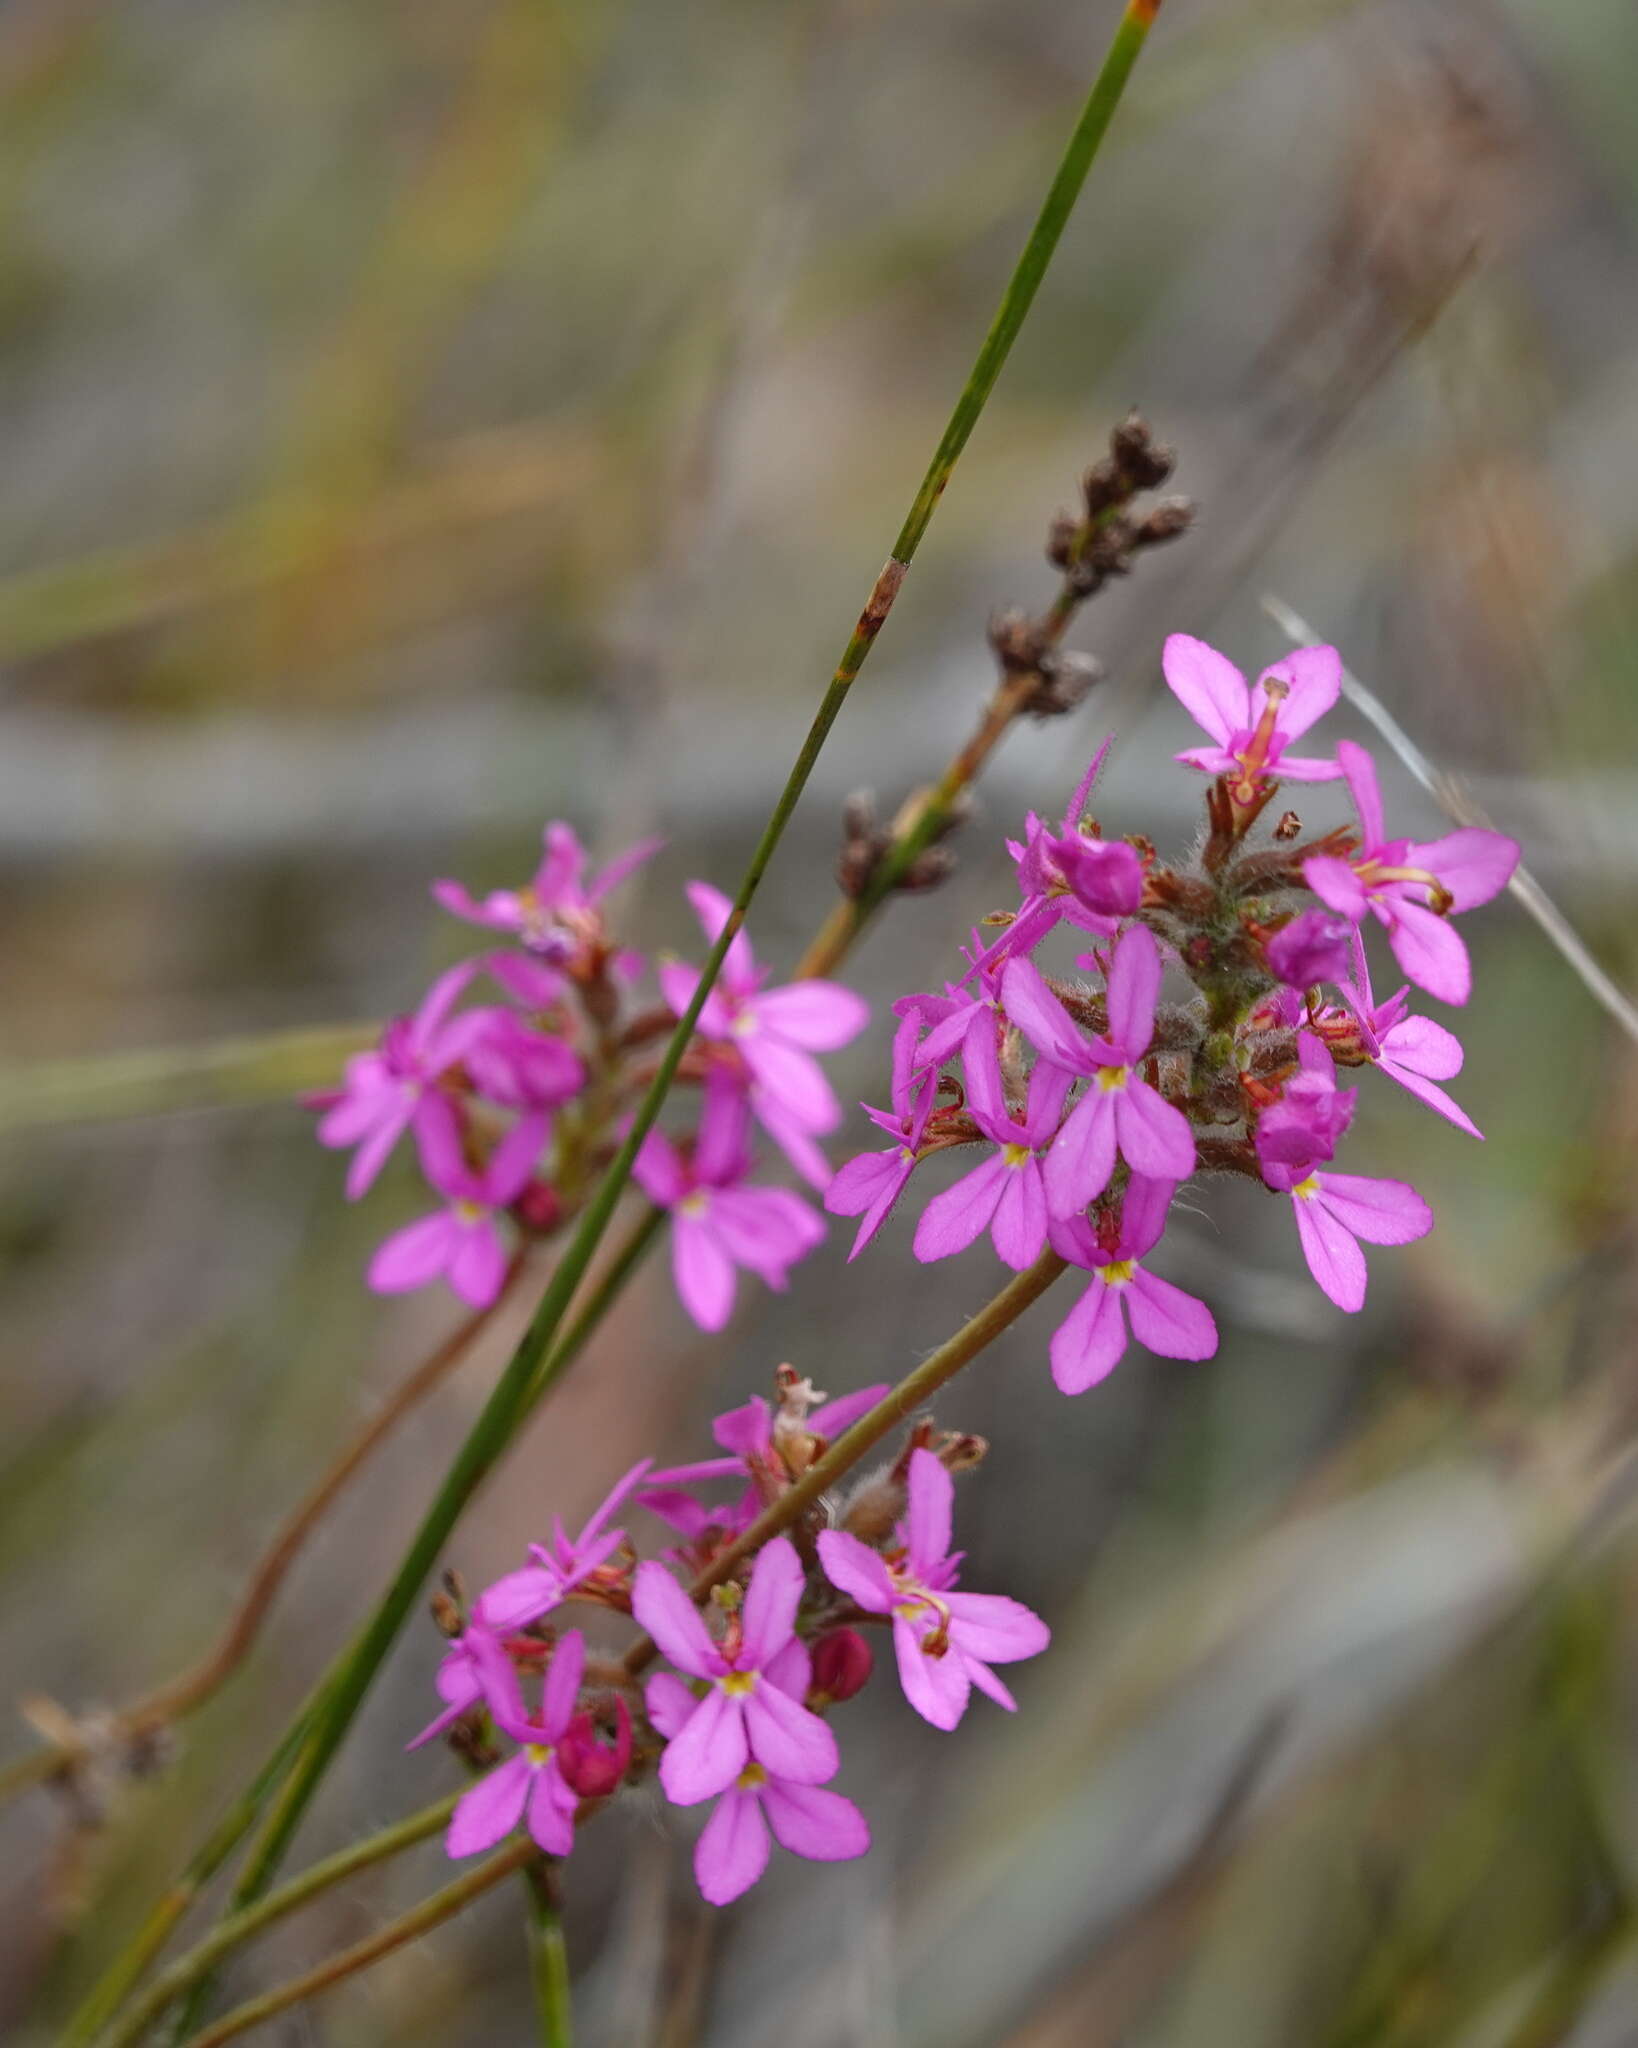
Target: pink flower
945, 1641
1119, 1110
1313, 947
1304, 1127
532, 1782
776, 1031
520, 1068
732, 1853
592, 1768
557, 915
1252, 728
473, 1662
1091, 1341
523, 1596
461, 1243
1414, 1051
387, 1090
1335, 1209
872, 1183
718, 1225
1005, 1195
748, 1713
1411, 887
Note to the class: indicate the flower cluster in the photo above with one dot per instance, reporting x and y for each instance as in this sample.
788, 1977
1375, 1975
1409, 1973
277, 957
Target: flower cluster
515, 1104
741, 1717
1094, 1098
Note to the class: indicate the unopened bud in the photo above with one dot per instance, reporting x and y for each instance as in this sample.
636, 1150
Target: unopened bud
1170, 518
842, 1664
591, 1767
876, 1505
539, 1207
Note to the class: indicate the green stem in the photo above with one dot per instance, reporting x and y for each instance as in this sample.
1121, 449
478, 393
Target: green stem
511, 1397
549, 1960
443, 1905
229, 1934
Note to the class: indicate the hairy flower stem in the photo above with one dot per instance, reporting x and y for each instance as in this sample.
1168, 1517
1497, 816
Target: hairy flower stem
229, 1934
510, 1400
935, 1371
443, 1905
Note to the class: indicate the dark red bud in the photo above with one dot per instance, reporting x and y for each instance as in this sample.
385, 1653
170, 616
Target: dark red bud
591, 1767
842, 1663
538, 1207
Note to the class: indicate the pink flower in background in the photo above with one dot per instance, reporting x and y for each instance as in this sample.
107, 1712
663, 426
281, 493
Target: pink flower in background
531, 1784
520, 1068
556, 915
1414, 1051
1119, 1110
718, 1225
732, 1853
472, 1663
1412, 887
386, 1091
776, 1031
1005, 1195
872, 1183
559, 1566
1091, 1340
1313, 947
461, 1243
1251, 728
945, 1641
748, 1713
1336, 1209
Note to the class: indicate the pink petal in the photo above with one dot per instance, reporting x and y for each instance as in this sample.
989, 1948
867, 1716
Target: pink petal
981, 1065
703, 1272
713, 910
1154, 1137
930, 1518
732, 1853
519, 1597
1090, 1342
514, 1159
854, 1568
1042, 1018
1082, 1156
1336, 885
822, 1826
1208, 686
623, 865
1472, 864
366, 1163
562, 1687
709, 1754
1018, 1229
477, 1271
658, 1171
722, 1144
790, 1669
1134, 983
438, 1139
937, 1687
1167, 1321
1430, 951
1424, 1047
660, 1606
794, 1079
786, 1739
1313, 680
491, 1810
1143, 1214
820, 1015
1306, 768
678, 982
999, 1630
415, 1255
1380, 1211
1431, 1093
1336, 1262
551, 1817
1360, 772
670, 1703
831, 1418
953, 1219
987, 1682
1209, 760
769, 1613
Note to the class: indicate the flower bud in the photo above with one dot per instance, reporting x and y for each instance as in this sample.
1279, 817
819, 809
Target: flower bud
1106, 875
593, 1768
1314, 946
842, 1664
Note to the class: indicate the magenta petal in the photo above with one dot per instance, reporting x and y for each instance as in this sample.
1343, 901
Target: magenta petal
820, 1015
822, 1826
768, 1616
1306, 768
1133, 985
995, 1628
1143, 1214
477, 1271
1082, 1156
517, 1598
953, 1219
1208, 686
937, 1687
988, 1684
732, 1853
709, 1754
703, 1272
562, 1687
1336, 885
1472, 864
1209, 760
1380, 1211
1018, 1229
1042, 1018
1154, 1137
713, 910
794, 1079
981, 1064
790, 1669
1336, 1262
786, 1739
670, 1703
1313, 680
1429, 1092
1167, 1321
854, 1568
1430, 951
1360, 772
660, 1606
831, 1418
930, 1520
415, 1255
491, 1810
366, 1163
551, 1814
864, 1181
1090, 1342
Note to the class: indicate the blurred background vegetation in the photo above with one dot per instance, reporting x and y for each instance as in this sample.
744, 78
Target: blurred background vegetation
421, 420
